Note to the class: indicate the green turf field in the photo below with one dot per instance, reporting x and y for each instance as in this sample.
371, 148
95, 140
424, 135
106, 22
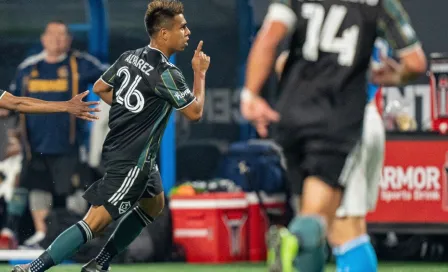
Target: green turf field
240, 267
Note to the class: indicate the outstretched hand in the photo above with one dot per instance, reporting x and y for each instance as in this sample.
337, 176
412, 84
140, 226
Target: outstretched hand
82, 109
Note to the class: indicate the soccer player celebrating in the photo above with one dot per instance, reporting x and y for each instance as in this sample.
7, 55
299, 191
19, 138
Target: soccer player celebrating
142, 87
320, 114
74, 106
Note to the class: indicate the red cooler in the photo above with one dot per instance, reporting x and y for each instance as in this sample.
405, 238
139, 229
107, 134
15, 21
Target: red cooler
212, 228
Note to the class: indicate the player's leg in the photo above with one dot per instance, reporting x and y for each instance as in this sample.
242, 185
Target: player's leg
127, 230
351, 245
40, 202
68, 242
97, 218
327, 163
40, 184
348, 235
302, 245
148, 208
111, 197
317, 208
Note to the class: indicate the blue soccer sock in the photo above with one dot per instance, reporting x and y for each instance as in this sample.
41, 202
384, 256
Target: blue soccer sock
357, 255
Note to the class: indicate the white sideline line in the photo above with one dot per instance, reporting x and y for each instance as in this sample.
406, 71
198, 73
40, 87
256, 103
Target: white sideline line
9, 255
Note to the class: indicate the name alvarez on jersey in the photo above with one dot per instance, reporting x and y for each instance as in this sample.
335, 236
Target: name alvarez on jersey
139, 63
146, 89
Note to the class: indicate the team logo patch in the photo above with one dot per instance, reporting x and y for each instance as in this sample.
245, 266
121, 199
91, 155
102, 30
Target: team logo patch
124, 207
63, 72
34, 73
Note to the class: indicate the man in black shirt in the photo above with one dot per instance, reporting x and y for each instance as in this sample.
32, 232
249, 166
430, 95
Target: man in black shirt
143, 88
320, 111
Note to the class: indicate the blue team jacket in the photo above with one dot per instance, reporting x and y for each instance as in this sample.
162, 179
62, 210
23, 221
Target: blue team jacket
55, 133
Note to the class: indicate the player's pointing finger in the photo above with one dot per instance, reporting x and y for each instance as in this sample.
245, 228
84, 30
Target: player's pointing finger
199, 49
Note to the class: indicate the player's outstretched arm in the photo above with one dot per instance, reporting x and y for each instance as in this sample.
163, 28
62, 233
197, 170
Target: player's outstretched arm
200, 64
279, 20
74, 106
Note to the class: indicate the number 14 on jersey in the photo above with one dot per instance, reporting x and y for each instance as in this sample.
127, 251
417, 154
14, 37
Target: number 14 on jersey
321, 33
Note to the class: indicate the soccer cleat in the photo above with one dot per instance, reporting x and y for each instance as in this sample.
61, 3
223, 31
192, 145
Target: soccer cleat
93, 266
282, 249
21, 268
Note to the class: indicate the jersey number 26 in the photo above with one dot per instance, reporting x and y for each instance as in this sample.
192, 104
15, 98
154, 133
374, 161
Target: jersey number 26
125, 94
321, 33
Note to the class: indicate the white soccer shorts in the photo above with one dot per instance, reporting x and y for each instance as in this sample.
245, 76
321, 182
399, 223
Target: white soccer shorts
361, 190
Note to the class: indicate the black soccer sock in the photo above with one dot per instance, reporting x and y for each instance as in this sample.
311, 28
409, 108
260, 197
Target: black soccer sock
127, 230
65, 245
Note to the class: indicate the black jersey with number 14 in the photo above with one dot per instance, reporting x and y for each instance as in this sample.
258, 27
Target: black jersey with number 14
324, 83
146, 89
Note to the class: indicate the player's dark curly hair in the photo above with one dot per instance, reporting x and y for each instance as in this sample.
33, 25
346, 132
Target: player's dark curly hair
160, 14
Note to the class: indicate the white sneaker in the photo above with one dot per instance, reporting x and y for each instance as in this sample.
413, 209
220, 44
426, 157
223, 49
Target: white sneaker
35, 239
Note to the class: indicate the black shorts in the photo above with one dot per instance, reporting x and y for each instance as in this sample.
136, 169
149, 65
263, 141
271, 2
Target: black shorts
319, 154
50, 173
119, 192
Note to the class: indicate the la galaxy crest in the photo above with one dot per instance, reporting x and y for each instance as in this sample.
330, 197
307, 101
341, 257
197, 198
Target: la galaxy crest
62, 72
